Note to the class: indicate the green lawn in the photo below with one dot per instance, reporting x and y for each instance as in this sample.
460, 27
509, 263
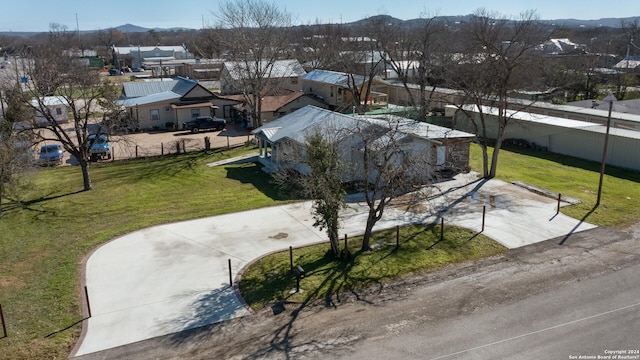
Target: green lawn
575, 178
269, 279
45, 238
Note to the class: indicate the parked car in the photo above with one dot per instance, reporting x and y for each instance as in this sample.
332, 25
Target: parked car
114, 72
51, 155
99, 148
204, 123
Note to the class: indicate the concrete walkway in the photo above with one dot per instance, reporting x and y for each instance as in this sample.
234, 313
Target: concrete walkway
175, 277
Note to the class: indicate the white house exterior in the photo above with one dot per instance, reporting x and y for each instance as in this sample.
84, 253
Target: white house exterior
56, 107
281, 141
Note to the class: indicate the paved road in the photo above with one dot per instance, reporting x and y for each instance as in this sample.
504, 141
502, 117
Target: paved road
590, 318
174, 277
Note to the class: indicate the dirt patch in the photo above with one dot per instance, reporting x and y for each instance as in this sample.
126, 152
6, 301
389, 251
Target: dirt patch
10, 281
279, 236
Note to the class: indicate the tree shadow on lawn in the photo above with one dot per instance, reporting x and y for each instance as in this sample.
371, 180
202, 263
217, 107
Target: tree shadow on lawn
251, 173
567, 160
31, 205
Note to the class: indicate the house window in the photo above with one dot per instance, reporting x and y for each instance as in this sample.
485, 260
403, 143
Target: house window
58, 111
441, 155
195, 113
155, 114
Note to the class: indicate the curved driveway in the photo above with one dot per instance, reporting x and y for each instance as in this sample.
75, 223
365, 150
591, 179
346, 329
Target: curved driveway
175, 277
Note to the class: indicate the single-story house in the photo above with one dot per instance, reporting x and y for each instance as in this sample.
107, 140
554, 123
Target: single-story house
168, 104
281, 74
56, 107
335, 89
281, 141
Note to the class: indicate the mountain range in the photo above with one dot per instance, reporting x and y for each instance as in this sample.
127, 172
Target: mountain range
569, 23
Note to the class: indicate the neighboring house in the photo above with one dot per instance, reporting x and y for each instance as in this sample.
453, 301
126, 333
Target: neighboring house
561, 46
137, 56
284, 74
168, 104
281, 141
276, 106
55, 106
629, 64
335, 88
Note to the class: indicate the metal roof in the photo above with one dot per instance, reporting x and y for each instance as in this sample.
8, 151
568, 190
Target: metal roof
50, 101
278, 69
556, 121
180, 86
306, 121
123, 50
149, 99
331, 77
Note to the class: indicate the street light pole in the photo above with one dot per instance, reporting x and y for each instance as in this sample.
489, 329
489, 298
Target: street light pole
609, 98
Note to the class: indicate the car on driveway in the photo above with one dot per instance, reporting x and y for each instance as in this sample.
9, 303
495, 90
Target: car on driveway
51, 155
99, 147
204, 123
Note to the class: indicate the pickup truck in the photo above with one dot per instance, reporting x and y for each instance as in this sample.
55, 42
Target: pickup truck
204, 123
99, 147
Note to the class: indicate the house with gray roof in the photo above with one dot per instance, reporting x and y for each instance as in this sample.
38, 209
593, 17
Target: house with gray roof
281, 142
168, 104
336, 88
236, 76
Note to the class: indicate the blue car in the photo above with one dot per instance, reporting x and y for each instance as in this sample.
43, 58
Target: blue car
99, 148
51, 155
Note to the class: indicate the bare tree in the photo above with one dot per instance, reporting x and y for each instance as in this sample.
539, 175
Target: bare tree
389, 164
256, 38
52, 73
321, 45
499, 56
414, 53
319, 180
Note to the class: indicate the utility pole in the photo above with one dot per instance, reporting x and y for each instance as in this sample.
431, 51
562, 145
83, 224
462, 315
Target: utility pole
610, 98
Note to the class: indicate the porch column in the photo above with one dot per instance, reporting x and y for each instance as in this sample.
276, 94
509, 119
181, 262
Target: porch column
260, 142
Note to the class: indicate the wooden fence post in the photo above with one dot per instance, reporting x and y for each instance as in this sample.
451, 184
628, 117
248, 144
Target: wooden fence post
4, 327
230, 277
291, 257
86, 295
484, 212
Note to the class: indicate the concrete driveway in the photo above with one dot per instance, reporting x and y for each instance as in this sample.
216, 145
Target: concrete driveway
175, 277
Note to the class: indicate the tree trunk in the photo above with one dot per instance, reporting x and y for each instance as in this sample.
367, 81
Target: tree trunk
334, 241
366, 238
485, 160
494, 159
86, 179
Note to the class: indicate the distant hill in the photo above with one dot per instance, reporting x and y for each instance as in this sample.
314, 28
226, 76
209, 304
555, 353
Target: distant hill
569, 23
130, 28
604, 22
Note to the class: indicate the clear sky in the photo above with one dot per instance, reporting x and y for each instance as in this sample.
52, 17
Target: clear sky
36, 15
